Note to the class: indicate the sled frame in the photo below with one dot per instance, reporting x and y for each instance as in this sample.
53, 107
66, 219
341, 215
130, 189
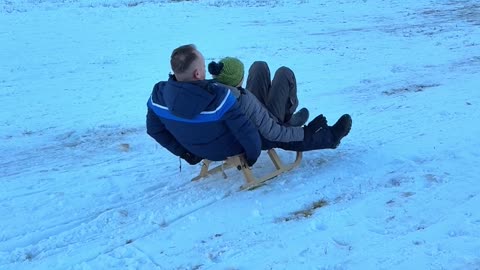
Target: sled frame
240, 163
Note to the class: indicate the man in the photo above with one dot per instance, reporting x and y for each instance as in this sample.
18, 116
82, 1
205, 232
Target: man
196, 118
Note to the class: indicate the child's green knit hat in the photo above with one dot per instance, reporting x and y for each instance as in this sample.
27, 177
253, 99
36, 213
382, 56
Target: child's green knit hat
228, 71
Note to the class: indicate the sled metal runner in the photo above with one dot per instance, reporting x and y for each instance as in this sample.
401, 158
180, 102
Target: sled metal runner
240, 163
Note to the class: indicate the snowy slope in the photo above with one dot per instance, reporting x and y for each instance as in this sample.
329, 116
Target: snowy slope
83, 187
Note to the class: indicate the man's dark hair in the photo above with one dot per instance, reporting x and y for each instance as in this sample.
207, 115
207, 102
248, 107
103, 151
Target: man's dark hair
182, 58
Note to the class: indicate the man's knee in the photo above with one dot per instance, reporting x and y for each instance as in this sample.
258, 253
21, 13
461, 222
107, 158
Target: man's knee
259, 66
285, 72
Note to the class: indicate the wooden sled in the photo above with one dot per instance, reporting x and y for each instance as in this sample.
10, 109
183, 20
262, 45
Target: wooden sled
240, 163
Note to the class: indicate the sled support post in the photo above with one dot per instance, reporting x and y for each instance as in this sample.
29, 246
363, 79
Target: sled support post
275, 159
240, 163
204, 170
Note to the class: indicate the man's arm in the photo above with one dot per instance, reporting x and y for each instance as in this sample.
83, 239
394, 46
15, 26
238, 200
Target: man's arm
266, 125
245, 132
156, 129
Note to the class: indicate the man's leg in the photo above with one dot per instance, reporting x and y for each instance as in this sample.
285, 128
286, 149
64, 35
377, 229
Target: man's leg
324, 139
258, 81
282, 100
327, 137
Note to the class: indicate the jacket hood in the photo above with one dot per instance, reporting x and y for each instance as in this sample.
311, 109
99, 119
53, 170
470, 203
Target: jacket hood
187, 99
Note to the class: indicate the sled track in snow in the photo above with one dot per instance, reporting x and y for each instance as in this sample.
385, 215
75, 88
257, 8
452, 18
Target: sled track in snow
98, 223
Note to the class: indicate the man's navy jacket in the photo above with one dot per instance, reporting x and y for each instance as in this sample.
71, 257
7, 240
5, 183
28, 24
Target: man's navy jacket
201, 117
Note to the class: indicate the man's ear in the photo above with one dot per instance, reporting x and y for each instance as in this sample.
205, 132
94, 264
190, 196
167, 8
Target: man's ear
196, 74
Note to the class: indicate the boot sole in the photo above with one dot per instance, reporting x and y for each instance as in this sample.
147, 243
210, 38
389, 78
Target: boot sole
345, 120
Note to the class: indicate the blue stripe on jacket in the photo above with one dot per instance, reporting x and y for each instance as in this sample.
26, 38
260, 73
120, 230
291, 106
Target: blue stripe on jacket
203, 117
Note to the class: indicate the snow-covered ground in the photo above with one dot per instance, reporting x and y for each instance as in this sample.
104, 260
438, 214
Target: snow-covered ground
83, 187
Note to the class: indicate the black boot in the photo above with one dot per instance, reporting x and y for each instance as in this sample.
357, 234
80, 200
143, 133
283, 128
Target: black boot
299, 118
341, 129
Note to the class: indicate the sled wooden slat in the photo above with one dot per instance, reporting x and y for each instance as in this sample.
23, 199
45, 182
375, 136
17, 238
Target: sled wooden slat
240, 163
205, 172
